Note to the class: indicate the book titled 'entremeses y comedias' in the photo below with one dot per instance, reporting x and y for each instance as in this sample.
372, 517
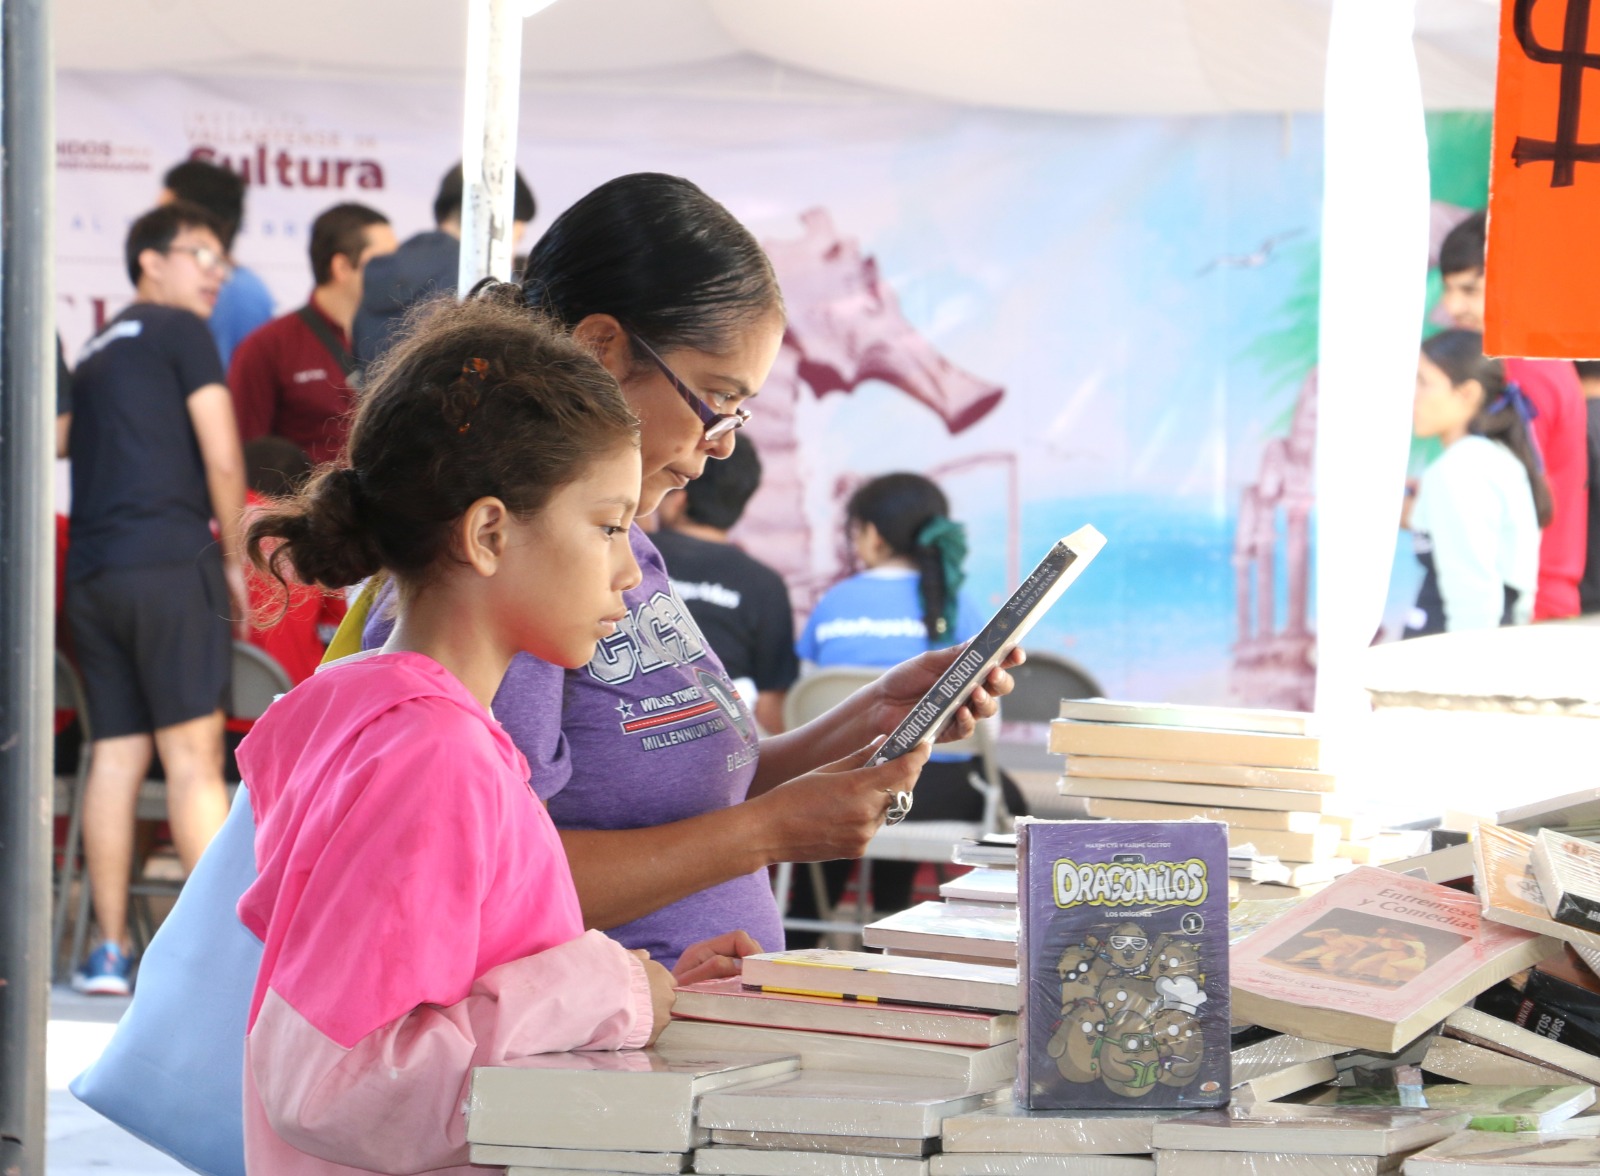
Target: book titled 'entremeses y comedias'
1374, 960
1061, 565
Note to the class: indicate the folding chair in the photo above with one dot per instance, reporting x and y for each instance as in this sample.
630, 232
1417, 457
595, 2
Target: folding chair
255, 680
1022, 744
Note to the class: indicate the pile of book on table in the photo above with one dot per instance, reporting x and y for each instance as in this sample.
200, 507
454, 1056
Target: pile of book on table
1084, 1012
1260, 772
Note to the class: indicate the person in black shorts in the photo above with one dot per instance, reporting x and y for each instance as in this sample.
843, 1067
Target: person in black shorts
740, 604
152, 597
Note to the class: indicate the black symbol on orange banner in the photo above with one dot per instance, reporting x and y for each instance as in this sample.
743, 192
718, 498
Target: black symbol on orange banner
1564, 151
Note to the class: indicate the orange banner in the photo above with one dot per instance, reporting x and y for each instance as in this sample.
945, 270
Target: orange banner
1543, 280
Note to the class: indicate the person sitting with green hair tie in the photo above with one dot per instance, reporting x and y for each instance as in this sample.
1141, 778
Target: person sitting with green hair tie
905, 601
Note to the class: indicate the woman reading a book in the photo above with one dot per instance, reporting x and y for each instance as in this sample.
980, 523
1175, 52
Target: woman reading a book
647, 758
1479, 507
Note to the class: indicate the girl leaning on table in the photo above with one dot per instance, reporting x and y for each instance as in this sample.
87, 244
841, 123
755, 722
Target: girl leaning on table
418, 914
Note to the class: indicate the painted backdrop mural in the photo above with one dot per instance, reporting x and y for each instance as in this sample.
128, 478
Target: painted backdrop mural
1064, 320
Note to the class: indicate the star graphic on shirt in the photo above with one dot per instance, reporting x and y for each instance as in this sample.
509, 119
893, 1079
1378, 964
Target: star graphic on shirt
625, 709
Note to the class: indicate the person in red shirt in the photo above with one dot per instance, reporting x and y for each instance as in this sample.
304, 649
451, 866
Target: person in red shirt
295, 637
1560, 427
289, 378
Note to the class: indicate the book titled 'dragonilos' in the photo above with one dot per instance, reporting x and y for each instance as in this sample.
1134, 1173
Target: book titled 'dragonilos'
1124, 955
1061, 565
1375, 960
729, 1001
820, 971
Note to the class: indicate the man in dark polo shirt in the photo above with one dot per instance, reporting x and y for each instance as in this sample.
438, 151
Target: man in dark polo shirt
155, 458
427, 264
289, 377
740, 604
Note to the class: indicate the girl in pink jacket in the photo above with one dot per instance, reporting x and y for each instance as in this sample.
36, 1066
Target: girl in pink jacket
416, 909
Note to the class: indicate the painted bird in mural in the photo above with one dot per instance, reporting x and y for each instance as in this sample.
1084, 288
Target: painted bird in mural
1255, 260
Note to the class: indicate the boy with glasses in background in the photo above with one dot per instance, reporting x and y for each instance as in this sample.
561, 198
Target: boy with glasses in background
153, 598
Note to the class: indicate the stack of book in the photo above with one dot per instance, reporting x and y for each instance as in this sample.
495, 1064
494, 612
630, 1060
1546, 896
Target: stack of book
1257, 771
889, 1047
1389, 1023
549, 1111
808, 1123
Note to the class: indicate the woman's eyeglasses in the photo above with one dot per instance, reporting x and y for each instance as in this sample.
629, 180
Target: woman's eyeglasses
717, 424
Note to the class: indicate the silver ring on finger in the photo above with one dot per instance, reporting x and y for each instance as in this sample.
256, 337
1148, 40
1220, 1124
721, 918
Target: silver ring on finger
900, 808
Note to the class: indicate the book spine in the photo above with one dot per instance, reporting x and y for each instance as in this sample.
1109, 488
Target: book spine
1557, 1024
1576, 910
956, 683
1562, 994
1023, 1086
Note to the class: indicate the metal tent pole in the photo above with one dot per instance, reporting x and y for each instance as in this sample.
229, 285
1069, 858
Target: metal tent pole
27, 452
489, 138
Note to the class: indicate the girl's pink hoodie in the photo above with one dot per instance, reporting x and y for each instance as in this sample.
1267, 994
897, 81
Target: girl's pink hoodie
418, 918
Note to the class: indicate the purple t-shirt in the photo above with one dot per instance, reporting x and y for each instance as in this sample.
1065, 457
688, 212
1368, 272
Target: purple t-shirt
649, 732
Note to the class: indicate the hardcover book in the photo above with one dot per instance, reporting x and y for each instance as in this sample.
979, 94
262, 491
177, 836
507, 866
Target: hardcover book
1508, 890
1375, 960
1568, 870
1493, 1108
730, 1001
1061, 565
1229, 774
1124, 950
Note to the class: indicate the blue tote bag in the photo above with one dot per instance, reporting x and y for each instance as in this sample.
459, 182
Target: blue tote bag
173, 1073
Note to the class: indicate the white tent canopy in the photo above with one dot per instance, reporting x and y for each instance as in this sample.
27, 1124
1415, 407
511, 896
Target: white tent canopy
1078, 56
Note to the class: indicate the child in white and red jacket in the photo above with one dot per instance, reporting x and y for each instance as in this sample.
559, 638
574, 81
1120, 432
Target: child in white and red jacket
416, 908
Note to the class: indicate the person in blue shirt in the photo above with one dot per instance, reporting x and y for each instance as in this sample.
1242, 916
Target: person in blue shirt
244, 302
905, 601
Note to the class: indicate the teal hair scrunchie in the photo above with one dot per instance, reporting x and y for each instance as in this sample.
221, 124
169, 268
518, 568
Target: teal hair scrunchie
949, 539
